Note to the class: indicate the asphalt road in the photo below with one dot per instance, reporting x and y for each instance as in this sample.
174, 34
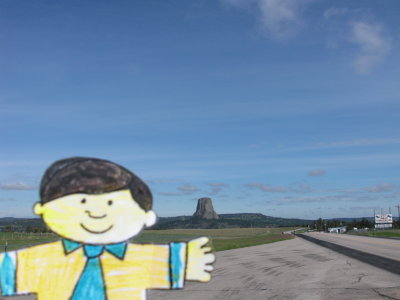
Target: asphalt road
383, 247
293, 269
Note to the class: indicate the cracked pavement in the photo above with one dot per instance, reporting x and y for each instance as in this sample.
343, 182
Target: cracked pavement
292, 269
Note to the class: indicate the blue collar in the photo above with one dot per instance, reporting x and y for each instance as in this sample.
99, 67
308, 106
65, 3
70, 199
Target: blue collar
118, 250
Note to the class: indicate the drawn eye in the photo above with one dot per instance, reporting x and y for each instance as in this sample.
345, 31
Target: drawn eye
110, 202
83, 201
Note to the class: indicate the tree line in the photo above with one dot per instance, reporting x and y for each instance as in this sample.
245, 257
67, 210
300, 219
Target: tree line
324, 225
27, 229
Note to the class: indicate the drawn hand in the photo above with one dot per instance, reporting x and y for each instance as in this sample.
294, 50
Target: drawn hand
199, 261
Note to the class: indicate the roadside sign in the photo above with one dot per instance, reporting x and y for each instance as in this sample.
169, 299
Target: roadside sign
384, 219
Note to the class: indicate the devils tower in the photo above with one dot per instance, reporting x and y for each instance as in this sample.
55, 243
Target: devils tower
205, 209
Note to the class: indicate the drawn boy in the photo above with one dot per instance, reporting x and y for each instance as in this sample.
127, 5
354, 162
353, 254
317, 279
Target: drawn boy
96, 206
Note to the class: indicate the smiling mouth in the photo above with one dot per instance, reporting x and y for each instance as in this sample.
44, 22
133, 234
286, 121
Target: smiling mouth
95, 217
96, 232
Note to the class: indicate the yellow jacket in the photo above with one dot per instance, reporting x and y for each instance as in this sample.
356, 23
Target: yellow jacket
52, 270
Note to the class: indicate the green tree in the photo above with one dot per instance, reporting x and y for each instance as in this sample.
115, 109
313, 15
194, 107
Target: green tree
319, 224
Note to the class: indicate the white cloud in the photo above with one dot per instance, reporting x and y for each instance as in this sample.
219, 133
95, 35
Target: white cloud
301, 188
238, 3
359, 142
382, 187
317, 172
159, 181
373, 44
367, 208
216, 187
20, 211
19, 186
215, 190
323, 199
294, 188
282, 18
335, 12
169, 194
217, 184
188, 188
267, 188
8, 199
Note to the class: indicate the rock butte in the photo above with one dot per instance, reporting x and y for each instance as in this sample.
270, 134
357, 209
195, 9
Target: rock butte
205, 209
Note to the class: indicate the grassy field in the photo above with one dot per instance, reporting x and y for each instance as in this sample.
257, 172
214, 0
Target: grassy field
22, 240
393, 233
221, 239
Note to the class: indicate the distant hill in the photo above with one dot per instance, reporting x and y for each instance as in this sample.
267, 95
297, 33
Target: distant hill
21, 222
371, 219
242, 220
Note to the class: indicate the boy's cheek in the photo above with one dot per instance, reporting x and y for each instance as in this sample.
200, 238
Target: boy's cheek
60, 218
60, 209
60, 224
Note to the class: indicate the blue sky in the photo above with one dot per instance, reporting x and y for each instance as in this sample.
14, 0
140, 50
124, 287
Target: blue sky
289, 108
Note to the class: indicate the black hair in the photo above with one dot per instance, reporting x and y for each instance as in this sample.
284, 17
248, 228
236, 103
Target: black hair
91, 176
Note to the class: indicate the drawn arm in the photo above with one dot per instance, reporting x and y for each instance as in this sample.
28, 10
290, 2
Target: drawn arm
177, 265
166, 266
189, 261
8, 267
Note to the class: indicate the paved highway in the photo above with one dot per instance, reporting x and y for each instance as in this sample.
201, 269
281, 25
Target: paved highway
293, 269
383, 247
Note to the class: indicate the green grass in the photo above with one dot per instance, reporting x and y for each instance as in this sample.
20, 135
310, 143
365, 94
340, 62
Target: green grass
22, 240
221, 239
227, 244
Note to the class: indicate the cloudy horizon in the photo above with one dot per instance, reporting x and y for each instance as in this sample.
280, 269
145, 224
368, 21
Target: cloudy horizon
288, 108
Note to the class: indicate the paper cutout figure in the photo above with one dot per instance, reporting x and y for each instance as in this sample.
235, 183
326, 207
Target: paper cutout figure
96, 206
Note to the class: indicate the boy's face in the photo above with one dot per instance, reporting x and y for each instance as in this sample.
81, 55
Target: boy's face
95, 219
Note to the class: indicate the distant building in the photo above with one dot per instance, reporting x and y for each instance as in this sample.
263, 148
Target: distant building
341, 229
